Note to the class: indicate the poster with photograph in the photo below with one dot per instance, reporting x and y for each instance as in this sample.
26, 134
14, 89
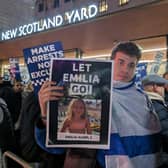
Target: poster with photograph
82, 117
38, 59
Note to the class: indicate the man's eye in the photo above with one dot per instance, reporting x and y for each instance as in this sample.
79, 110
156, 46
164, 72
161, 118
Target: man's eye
121, 62
132, 65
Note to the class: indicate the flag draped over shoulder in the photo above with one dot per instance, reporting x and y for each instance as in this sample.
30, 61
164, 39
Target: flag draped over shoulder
135, 128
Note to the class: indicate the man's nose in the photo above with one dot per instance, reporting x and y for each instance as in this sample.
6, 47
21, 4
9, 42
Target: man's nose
125, 68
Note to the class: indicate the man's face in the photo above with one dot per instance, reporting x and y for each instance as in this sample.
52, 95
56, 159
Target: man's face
18, 87
124, 67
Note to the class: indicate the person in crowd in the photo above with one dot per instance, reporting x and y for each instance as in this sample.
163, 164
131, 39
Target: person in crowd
18, 89
76, 120
30, 151
154, 87
7, 136
165, 75
5, 84
12, 94
13, 99
135, 127
7, 93
19, 96
21, 92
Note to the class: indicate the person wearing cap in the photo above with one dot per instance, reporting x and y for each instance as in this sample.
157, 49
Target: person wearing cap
154, 87
155, 81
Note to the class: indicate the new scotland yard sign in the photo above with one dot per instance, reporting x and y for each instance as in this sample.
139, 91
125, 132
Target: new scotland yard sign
73, 16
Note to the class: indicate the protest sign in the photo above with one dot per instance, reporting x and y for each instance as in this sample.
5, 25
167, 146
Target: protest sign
82, 117
14, 69
38, 58
157, 62
141, 72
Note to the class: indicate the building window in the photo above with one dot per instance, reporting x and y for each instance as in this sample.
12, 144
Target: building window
56, 3
103, 6
123, 2
41, 7
67, 1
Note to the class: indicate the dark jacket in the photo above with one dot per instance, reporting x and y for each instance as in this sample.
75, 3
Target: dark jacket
31, 152
7, 139
11, 100
161, 109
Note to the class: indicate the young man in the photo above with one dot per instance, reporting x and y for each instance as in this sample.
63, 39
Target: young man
135, 126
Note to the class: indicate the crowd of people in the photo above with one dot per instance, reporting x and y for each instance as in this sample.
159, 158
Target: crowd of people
12, 98
139, 128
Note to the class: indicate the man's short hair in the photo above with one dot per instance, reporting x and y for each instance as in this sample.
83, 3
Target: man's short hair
128, 48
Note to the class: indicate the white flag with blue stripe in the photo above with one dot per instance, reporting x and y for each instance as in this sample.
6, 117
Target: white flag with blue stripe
135, 131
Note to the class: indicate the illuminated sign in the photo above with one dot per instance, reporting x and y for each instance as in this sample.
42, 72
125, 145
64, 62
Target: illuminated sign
70, 17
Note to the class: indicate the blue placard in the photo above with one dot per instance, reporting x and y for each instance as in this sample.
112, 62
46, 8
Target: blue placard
141, 71
38, 59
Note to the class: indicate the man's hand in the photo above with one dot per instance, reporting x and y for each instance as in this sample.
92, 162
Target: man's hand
48, 91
